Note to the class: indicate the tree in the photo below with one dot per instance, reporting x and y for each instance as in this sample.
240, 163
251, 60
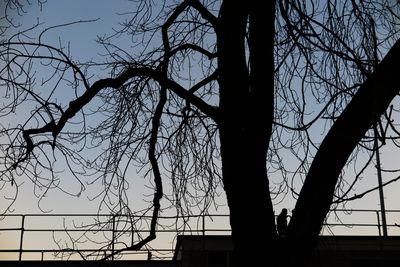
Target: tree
228, 91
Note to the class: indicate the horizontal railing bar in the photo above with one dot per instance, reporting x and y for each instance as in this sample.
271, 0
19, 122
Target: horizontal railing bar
161, 217
79, 250
362, 210
111, 215
99, 230
351, 224
116, 231
167, 231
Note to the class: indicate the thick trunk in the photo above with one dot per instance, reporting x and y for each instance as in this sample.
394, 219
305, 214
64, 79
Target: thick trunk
246, 113
246, 186
315, 199
245, 119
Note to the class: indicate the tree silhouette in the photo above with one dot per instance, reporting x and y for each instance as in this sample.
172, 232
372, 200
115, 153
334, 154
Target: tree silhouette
213, 92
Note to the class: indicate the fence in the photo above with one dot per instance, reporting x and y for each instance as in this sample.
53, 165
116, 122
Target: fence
102, 235
61, 236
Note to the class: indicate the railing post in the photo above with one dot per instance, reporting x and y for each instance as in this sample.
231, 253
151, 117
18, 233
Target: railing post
113, 237
204, 224
21, 240
380, 189
379, 222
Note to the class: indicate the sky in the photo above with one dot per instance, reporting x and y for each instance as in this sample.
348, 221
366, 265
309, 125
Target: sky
81, 41
81, 38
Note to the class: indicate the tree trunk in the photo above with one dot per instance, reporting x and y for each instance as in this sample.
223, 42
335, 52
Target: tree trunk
246, 186
363, 111
245, 121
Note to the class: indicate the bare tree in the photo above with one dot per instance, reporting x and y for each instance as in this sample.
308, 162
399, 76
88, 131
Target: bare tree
213, 92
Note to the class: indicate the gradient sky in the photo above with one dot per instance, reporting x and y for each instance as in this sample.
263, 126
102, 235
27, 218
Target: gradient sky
83, 46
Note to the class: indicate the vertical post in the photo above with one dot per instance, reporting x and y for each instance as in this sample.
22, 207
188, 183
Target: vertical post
379, 171
21, 240
379, 223
113, 237
203, 230
204, 224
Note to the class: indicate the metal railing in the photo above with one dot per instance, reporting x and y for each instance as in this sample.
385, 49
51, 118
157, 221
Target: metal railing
361, 222
108, 227
104, 224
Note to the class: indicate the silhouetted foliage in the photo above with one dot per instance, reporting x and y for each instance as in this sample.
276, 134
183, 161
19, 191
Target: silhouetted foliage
267, 98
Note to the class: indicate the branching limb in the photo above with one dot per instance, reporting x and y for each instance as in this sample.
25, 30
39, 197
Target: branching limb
358, 196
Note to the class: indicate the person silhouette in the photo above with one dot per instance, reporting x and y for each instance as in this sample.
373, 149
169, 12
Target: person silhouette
281, 223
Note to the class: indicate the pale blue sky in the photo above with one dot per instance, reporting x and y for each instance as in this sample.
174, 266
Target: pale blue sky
82, 38
83, 47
